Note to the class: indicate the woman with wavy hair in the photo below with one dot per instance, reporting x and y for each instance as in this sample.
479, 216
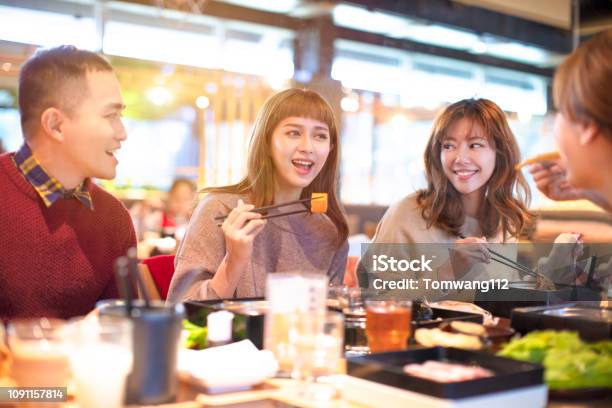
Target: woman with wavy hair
474, 194
293, 152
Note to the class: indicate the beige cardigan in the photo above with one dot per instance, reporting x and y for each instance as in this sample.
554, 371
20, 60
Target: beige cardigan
404, 224
296, 243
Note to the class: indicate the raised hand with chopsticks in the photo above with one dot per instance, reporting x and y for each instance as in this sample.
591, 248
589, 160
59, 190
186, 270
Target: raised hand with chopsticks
551, 180
240, 229
466, 252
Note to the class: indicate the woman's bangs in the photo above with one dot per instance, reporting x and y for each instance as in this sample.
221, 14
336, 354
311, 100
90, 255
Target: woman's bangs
305, 105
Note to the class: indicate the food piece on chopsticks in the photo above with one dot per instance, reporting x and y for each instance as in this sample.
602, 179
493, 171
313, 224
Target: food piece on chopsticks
318, 203
437, 337
544, 157
443, 372
569, 363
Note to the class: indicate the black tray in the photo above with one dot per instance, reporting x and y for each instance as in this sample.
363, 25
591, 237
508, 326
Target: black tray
591, 323
500, 302
387, 368
247, 323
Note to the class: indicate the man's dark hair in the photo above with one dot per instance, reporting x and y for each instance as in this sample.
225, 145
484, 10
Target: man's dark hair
55, 77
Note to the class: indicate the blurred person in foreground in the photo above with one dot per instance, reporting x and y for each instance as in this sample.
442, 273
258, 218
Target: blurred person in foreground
583, 131
59, 232
583, 127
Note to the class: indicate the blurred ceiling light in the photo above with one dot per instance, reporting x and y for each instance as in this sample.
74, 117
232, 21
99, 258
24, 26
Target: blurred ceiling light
134, 41
479, 47
6, 67
16, 25
202, 102
360, 18
159, 96
523, 53
365, 20
350, 103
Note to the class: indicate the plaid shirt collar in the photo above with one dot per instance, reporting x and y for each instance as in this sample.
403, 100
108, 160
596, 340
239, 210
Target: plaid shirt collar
48, 188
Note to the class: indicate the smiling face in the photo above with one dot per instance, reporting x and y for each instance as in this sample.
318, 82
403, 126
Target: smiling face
94, 131
299, 148
467, 156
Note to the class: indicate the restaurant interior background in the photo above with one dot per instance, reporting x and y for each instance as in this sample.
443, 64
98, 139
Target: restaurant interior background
195, 72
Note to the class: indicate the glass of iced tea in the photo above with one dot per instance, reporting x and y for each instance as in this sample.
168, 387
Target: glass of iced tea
388, 324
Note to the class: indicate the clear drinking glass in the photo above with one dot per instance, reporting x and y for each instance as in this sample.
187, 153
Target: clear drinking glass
292, 298
40, 353
101, 359
388, 324
318, 340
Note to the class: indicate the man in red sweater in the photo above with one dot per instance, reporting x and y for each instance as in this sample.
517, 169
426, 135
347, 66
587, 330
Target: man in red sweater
59, 232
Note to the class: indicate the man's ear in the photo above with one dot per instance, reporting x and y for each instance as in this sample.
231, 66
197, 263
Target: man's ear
588, 133
52, 121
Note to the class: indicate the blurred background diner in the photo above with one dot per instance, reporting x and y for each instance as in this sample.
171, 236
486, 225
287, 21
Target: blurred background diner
194, 73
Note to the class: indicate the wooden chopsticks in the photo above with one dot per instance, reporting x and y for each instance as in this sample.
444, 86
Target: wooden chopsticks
264, 210
512, 264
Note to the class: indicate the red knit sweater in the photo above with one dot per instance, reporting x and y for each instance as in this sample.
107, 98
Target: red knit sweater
57, 261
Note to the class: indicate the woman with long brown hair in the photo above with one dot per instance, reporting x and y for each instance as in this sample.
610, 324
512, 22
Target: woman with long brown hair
474, 194
293, 152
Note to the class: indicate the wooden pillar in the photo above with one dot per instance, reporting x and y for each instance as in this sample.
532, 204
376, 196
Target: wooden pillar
313, 58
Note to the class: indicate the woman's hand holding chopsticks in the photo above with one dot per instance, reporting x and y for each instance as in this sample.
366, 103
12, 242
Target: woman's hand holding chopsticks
466, 253
240, 229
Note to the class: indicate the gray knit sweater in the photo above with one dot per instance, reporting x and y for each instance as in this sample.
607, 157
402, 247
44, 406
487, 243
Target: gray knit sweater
297, 243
